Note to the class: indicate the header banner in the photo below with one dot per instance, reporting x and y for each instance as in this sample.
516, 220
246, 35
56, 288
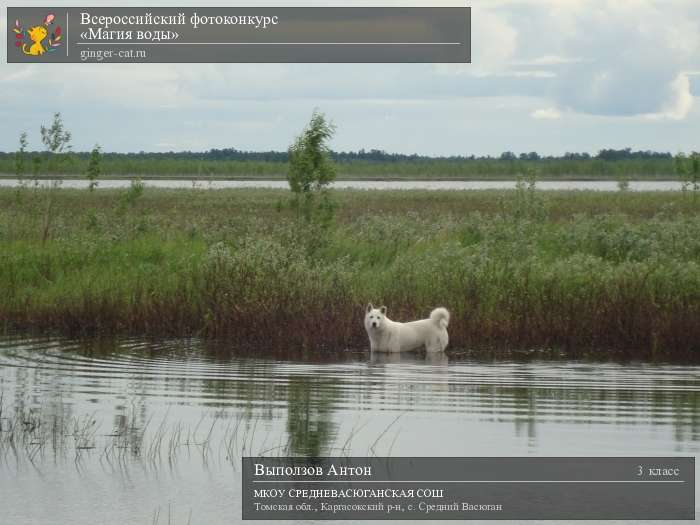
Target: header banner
238, 34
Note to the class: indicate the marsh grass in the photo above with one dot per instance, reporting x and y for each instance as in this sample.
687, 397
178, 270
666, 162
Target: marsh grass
38, 435
170, 166
588, 272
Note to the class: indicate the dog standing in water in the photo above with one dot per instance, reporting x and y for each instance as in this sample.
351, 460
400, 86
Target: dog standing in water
386, 335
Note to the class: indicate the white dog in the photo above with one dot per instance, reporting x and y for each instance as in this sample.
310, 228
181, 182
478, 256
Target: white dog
386, 335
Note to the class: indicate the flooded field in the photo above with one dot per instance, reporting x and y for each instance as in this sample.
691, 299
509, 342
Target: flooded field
145, 432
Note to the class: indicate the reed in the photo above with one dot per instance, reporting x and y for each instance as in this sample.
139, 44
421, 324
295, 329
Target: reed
37, 435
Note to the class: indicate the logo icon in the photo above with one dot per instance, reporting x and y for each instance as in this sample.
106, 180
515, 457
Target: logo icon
32, 41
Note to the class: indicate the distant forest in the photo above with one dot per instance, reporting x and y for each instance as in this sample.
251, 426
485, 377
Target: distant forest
234, 163
373, 155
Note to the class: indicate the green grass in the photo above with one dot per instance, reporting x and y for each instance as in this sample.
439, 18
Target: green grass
591, 273
123, 166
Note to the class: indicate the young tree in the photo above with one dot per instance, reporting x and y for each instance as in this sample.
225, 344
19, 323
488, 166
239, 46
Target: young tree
311, 169
94, 167
21, 166
56, 139
21, 157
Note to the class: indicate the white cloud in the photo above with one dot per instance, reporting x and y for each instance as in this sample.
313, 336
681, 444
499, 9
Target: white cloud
494, 42
634, 54
547, 60
679, 101
546, 114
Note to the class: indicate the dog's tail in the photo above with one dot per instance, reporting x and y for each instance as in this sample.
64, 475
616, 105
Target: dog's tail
440, 316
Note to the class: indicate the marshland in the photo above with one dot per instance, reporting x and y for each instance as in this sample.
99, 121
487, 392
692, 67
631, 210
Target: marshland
151, 337
155, 336
611, 274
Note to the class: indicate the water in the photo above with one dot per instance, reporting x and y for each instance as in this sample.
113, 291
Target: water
171, 419
603, 185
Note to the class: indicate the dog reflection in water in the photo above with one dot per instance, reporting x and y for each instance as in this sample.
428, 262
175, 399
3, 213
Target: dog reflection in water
391, 358
432, 368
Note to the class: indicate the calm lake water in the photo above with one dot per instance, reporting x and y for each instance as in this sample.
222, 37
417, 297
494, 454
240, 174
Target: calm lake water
641, 185
153, 431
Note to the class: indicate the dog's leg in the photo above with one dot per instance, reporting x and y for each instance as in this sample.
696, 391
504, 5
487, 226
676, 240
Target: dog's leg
436, 344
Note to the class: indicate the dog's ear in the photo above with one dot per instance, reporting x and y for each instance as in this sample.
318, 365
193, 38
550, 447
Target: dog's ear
383, 310
370, 307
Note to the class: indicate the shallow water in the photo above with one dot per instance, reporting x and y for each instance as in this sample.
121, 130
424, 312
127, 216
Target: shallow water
172, 418
603, 185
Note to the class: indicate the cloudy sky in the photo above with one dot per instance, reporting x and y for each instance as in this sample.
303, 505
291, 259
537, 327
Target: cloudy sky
546, 75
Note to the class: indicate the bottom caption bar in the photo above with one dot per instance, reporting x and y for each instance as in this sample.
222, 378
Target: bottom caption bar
659, 488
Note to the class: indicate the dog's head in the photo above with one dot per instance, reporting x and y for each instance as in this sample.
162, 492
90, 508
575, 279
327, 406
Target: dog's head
374, 317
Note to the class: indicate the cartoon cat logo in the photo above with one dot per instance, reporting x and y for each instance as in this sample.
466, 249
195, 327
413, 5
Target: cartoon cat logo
37, 35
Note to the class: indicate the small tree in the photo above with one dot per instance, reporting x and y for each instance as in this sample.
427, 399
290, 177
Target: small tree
94, 167
21, 165
311, 170
56, 139
21, 157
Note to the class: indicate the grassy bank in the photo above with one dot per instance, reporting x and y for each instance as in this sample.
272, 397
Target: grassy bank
583, 271
126, 166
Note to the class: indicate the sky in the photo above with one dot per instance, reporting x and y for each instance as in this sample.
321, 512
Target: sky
546, 75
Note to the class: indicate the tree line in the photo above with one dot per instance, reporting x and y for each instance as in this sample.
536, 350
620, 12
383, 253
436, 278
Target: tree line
371, 155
